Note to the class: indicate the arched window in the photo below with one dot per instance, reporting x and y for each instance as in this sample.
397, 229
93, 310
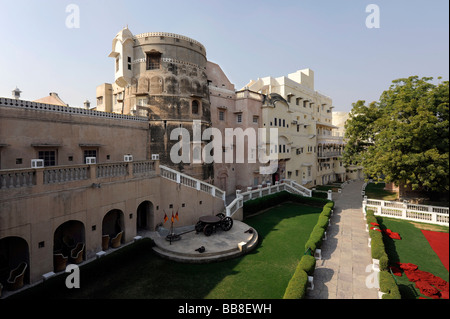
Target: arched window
195, 107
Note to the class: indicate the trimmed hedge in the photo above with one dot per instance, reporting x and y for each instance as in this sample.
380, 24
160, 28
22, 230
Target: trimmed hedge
258, 204
389, 286
308, 264
378, 251
297, 286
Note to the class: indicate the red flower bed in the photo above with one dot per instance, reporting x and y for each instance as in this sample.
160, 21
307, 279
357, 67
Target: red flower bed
388, 232
429, 285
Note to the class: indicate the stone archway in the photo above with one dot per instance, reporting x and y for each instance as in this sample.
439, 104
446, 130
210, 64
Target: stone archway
69, 244
113, 230
145, 217
13, 251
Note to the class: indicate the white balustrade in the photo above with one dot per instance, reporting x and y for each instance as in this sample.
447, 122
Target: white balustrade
413, 212
192, 182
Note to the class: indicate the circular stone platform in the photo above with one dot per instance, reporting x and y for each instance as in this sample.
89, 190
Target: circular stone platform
221, 245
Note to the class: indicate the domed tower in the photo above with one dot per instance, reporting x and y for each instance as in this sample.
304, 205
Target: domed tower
163, 76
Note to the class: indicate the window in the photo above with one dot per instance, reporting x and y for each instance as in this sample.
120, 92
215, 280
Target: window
255, 119
195, 107
49, 157
153, 61
129, 63
284, 123
275, 121
239, 118
89, 153
99, 100
142, 101
221, 116
117, 64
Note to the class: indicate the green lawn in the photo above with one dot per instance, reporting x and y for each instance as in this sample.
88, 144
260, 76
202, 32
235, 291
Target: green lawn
376, 191
413, 248
137, 272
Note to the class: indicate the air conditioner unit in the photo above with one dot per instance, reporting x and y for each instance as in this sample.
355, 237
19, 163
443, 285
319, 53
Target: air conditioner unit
37, 163
294, 122
91, 160
128, 158
155, 157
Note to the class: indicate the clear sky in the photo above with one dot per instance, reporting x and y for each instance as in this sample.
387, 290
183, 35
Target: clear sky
247, 38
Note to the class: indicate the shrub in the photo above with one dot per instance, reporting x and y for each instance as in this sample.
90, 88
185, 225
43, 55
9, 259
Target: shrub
323, 221
319, 194
308, 264
330, 204
315, 239
326, 212
255, 205
370, 217
389, 286
296, 288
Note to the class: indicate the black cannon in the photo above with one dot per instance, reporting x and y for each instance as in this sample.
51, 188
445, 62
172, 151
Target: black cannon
207, 224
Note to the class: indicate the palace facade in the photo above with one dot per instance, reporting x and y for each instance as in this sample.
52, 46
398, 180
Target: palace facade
102, 176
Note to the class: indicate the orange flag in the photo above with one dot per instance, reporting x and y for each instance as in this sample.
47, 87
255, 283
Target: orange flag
176, 216
165, 217
172, 217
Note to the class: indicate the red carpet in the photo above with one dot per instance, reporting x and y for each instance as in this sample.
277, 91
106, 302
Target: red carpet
439, 243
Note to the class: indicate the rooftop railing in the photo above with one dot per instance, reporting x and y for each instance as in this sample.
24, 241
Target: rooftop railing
29, 105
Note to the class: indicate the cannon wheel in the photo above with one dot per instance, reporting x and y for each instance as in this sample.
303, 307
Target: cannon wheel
221, 215
199, 227
208, 230
226, 223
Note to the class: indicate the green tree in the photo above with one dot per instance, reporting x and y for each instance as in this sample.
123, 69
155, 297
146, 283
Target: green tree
403, 138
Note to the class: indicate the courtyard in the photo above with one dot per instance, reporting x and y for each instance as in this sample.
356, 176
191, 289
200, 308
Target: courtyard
136, 272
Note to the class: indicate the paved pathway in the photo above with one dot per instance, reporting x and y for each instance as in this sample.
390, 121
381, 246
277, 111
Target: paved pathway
341, 274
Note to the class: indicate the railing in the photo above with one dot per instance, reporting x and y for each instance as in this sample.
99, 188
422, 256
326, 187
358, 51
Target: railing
21, 178
143, 167
66, 109
171, 35
261, 191
112, 170
329, 154
414, 212
17, 178
66, 174
299, 188
192, 182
